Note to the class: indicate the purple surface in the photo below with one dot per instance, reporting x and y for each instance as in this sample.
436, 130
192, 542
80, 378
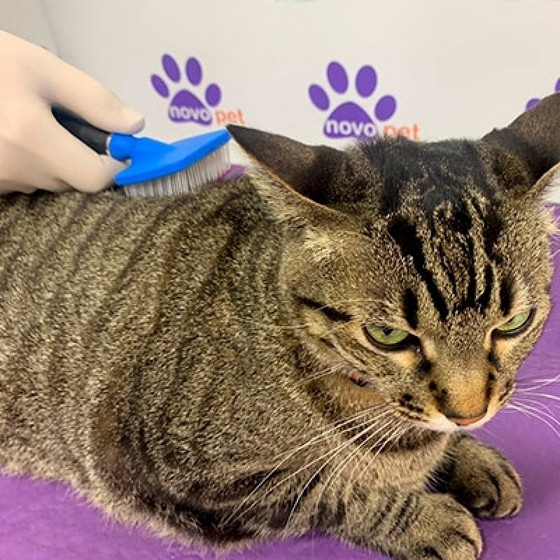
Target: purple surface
46, 521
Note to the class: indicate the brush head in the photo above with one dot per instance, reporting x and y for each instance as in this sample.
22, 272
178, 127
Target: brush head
159, 169
189, 180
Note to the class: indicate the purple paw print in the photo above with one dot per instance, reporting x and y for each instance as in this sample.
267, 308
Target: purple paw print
348, 119
185, 106
532, 102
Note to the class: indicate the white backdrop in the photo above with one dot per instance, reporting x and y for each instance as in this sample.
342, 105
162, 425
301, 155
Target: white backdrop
429, 69
27, 18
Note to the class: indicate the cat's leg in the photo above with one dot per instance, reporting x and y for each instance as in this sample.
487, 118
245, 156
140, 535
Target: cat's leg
410, 526
480, 478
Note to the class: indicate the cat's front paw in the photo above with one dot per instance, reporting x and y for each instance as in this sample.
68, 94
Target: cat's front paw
483, 481
445, 530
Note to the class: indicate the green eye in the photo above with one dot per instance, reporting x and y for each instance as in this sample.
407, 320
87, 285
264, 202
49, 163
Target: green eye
386, 336
518, 323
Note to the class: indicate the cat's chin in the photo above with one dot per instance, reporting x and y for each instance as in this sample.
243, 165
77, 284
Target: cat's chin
446, 426
443, 426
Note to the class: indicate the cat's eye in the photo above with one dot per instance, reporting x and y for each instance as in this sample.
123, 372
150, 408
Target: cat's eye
387, 337
517, 324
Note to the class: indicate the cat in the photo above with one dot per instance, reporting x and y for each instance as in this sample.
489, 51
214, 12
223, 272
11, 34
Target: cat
305, 348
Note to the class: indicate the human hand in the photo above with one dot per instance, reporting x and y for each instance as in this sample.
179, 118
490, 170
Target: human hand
35, 151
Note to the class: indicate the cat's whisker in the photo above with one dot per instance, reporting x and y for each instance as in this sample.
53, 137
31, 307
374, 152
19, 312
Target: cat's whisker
328, 454
529, 398
533, 402
347, 459
389, 434
392, 435
535, 414
335, 426
531, 413
304, 446
350, 441
540, 383
548, 375
543, 410
370, 423
545, 395
343, 463
531, 378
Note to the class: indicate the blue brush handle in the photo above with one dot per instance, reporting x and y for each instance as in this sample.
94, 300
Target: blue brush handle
124, 146
96, 138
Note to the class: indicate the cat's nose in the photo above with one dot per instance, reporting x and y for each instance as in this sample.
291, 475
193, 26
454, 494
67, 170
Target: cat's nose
466, 420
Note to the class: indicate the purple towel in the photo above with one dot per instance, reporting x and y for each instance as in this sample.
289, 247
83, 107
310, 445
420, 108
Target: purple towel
46, 521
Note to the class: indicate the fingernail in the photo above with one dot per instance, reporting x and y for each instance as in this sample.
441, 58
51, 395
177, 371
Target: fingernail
135, 119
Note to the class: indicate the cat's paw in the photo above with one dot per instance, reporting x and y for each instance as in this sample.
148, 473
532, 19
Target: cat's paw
483, 481
445, 530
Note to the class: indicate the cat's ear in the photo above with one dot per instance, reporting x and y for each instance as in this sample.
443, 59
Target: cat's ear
297, 178
534, 140
309, 170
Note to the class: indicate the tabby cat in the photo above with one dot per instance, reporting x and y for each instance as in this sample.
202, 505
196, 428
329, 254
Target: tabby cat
302, 349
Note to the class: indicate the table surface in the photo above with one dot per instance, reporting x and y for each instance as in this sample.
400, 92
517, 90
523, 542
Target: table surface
47, 521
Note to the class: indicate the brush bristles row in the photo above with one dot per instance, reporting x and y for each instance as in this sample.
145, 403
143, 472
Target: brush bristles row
189, 180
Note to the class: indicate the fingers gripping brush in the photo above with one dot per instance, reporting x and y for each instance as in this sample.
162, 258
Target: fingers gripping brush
156, 168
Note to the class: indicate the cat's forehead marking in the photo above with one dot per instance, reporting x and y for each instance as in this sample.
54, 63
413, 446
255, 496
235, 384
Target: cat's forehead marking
427, 174
442, 213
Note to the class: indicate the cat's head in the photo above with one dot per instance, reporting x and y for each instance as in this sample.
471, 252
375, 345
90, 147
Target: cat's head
421, 270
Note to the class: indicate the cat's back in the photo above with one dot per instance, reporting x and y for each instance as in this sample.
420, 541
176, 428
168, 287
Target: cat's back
67, 246
59, 246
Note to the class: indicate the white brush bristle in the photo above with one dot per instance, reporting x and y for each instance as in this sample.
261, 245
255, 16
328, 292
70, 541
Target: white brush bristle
188, 180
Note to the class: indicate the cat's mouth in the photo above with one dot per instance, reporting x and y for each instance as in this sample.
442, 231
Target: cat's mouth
358, 378
442, 424
364, 382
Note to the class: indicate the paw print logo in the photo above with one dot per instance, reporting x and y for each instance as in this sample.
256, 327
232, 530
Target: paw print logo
348, 119
186, 105
532, 102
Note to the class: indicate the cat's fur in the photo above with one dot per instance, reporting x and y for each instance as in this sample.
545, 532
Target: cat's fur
200, 363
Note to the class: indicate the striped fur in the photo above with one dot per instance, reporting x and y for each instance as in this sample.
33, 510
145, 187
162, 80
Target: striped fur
200, 363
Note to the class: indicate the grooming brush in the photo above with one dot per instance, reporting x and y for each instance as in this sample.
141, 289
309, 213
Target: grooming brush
155, 168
